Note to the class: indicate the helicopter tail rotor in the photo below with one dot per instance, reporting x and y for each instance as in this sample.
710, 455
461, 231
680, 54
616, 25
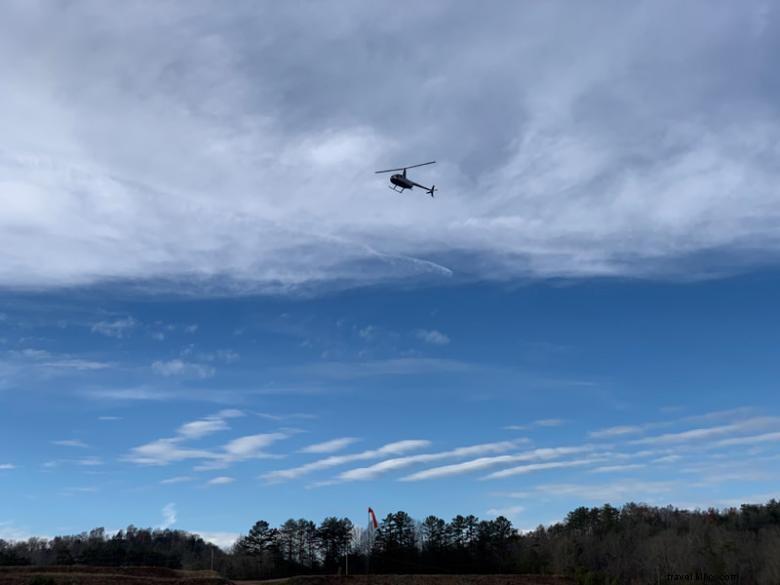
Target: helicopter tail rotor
431, 190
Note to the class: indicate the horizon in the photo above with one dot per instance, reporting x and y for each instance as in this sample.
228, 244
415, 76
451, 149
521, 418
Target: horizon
212, 311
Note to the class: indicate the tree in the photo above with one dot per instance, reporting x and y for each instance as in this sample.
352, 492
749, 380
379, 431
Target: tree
334, 539
261, 538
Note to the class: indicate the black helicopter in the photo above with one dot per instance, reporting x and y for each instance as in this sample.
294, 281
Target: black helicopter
400, 182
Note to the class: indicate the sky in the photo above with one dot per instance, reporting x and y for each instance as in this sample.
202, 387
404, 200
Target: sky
212, 311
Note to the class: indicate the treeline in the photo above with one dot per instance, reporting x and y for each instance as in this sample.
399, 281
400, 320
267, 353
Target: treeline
632, 545
174, 549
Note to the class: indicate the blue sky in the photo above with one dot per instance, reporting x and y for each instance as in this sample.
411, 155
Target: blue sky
616, 390
213, 311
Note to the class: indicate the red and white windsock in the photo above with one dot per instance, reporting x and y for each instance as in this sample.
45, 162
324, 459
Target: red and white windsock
373, 516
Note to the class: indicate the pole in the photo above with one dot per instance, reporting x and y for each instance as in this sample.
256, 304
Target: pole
346, 564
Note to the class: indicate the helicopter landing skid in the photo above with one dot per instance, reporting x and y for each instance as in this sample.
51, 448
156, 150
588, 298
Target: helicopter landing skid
396, 189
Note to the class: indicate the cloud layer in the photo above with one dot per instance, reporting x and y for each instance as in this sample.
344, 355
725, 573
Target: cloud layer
199, 145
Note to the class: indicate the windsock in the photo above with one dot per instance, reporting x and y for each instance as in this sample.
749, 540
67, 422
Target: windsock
373, 517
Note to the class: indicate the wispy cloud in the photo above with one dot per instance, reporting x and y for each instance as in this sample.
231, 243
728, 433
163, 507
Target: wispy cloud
7, 466
330, 446
177, 479
634, 429
224, 540
166, 451
87, 489
618, 431
709, 432
532, 467
617, 468
536, 230
388, 367
139, 393
117, 328
610, 492
92, 461
77, 364
169, 515
222, 480
432, 336
170, 450
242, 449
749, 440
177, 367
486, 462
507, 512
11, 532
396, 448
389, 465
71, 443
367, 332
542, 422
201, 428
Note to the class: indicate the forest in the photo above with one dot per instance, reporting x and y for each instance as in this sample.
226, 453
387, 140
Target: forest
634, 544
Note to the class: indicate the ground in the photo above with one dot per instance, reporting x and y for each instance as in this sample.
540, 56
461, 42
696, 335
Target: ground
158, 576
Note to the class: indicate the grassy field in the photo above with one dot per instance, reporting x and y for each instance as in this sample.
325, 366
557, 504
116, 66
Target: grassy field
417, 580
158, 576
75, 575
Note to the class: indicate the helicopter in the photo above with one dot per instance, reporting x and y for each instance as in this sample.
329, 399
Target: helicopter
400, 182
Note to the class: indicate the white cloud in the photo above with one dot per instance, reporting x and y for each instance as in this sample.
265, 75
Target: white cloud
223, 540
200, 428
164, 452
549, 422
532, 467
709, 432
396, 448
668, 459
177, 367
71, 443
176, 479
507, 512
432, 336
169, 515
77, 364
610, 492
617, 431
386, 367
171, 450
614, 468
118, 328
7, 466
550, 182
140, 393
252, 446
330, 446
388, 465
486, 462
367, 332
542, 422
749, 440
230, 413
109, 418
10, 532
222, 480
88, 461
88, 489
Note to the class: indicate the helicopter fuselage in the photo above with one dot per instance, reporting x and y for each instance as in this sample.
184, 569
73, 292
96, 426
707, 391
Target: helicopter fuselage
401, 181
